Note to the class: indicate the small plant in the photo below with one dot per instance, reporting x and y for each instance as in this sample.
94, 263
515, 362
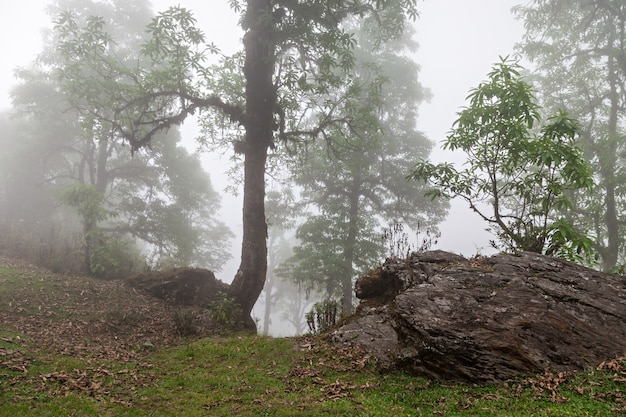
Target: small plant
323, 316
399, 243
224, 312
185, 322
114, 257
397, 240
429, 239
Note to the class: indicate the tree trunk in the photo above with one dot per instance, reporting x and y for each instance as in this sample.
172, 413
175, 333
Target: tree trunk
612, 224
259, 124
267, 314
96, 163
269, 281
348, 254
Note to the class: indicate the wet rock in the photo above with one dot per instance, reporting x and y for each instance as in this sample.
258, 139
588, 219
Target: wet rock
447, 317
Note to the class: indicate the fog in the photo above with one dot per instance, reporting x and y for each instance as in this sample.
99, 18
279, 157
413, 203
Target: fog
459, 41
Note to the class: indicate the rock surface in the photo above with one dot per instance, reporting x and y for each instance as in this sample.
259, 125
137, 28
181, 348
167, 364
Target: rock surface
181, 286
487, 319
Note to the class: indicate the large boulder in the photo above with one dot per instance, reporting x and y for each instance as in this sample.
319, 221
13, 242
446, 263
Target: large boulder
489, 318
181, 286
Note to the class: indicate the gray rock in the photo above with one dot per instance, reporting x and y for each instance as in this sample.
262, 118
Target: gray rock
446, 317
181, 286
373, 335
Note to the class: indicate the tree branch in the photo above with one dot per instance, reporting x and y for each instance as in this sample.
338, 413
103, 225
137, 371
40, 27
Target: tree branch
190, 104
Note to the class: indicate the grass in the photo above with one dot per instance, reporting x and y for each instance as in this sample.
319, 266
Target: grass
258, 376
240, 375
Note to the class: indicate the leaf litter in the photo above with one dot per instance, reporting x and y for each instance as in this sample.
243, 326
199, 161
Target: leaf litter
111, 329
101, 325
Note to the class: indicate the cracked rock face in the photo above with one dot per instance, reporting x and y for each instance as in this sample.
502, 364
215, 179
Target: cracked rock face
447, 317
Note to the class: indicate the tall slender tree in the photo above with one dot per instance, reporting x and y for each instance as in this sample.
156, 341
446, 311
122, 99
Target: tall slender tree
361, 188
578, 48
289, 49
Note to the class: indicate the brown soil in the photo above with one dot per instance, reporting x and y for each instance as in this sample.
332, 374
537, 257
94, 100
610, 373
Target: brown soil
84, 317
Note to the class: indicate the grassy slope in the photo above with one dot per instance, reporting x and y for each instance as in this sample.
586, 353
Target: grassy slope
72, 346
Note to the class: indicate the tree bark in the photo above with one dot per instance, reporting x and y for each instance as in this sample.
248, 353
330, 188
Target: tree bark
259, 47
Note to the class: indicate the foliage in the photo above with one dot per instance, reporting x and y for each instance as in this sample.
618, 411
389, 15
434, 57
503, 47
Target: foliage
323, 316
115, 257
577, 52
88, 202
159, 199
224, 312
29, 209
522, 175
293, 54
352, 190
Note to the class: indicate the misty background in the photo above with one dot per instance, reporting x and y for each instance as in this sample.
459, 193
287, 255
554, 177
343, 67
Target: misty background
459, 41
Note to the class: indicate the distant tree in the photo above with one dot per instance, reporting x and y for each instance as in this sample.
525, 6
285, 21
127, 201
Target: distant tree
291, 53
359, 188
577, 48
160, 196
280, 218
516, 178
27, 205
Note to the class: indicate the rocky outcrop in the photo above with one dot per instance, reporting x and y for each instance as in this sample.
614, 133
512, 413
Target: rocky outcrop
181, 286
487, 319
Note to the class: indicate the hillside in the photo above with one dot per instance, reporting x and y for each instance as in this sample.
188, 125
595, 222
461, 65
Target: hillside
76, 346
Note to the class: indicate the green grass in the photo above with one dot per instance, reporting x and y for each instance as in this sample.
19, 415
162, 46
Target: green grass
49, 368
257, 376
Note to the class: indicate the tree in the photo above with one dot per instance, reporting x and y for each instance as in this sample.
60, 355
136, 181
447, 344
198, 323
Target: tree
522, 175
280, 217
577, 48
27, 206
160, 196
360, 188
289, 49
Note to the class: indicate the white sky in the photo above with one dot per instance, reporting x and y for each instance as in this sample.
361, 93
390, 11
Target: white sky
459, 41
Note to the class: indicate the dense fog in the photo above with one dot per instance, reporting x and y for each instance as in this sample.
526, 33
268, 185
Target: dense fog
124, 149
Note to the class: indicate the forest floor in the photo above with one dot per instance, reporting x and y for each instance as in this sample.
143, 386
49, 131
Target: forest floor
75, 346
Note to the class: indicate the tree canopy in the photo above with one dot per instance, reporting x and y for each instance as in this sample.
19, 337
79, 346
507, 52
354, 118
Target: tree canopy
289, 59
160, 197
518, 169
579, 62
360, 188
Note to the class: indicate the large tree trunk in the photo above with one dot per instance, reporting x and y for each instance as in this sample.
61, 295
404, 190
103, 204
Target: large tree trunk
259, 125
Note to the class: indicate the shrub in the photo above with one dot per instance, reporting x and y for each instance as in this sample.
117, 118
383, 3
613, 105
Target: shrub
224, 312
185, 322
323, 316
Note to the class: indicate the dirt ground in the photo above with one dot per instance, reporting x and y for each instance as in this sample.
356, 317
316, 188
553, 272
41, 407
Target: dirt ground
80, 316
